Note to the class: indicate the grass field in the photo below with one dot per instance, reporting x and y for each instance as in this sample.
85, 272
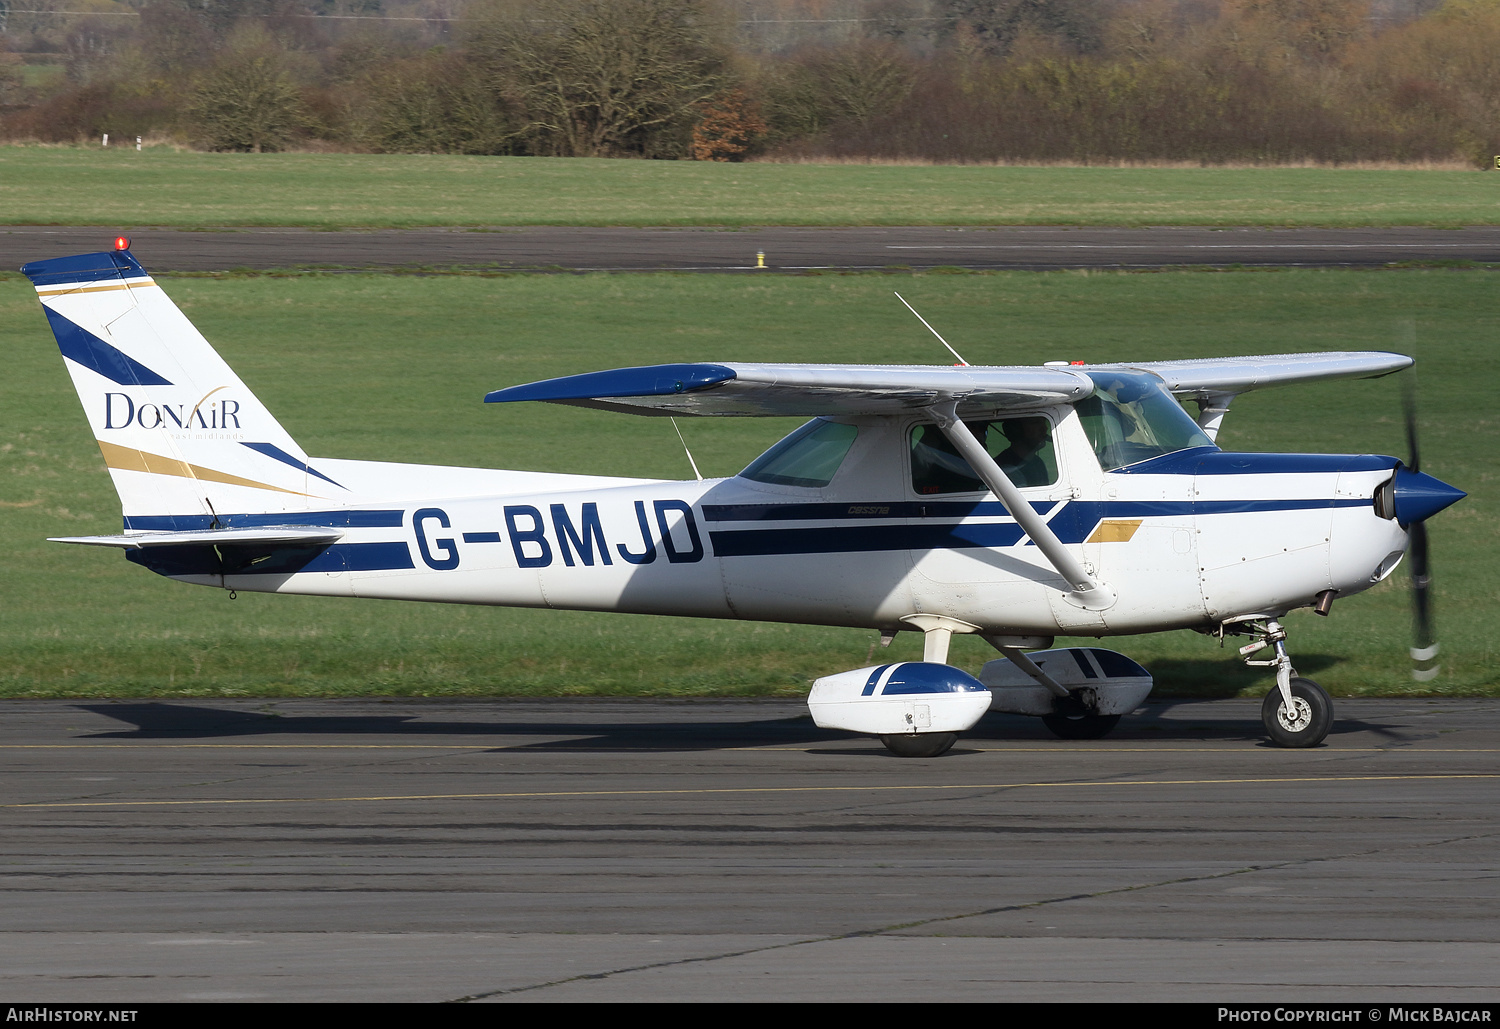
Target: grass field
371, 366
164, 187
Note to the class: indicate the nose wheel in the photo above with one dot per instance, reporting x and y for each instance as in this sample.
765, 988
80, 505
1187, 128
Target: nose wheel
1304, 722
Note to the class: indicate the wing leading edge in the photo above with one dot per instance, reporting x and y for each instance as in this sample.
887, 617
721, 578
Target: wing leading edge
805, 390
810, 390
1219, 375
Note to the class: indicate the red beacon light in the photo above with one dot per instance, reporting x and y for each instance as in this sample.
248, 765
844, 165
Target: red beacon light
122, 242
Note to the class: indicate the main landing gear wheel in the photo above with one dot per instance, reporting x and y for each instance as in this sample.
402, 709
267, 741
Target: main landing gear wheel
1080, 727
1305, 723
923, 744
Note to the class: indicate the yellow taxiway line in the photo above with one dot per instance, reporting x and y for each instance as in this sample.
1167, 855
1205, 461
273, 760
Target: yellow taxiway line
743, 790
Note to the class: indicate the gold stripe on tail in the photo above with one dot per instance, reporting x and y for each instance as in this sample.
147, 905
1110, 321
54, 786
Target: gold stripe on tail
127, 460
94, 289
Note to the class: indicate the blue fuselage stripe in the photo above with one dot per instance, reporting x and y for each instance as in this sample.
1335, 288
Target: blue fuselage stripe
871, 509
238, 559
383, 519
362, 557
1211, 461
864, 538
1073, 524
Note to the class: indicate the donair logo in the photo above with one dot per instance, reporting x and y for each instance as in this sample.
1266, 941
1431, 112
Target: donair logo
121, 412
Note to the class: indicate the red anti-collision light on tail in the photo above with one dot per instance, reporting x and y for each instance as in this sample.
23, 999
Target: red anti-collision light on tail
122, 242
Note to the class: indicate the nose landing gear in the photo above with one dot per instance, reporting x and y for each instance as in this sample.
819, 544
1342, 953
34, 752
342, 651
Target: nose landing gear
1298, 712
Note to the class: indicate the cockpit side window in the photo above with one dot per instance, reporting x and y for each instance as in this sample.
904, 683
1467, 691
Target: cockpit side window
1022, 447
1132, 418
808, 457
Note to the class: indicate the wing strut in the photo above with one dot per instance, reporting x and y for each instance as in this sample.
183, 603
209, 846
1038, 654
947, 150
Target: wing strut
1088, 593
1212, 407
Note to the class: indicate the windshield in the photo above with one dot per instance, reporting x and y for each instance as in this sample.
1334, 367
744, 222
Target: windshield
1131, 418
808, 457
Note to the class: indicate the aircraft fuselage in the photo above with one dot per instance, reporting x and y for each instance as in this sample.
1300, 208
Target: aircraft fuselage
1185, 540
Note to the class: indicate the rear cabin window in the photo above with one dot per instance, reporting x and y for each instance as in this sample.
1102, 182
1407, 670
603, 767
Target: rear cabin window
1022, 447
808, 457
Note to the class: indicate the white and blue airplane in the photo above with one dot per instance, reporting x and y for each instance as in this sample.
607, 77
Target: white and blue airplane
1016, 503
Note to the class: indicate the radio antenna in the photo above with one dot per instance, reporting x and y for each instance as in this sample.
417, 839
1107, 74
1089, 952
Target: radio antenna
930, 329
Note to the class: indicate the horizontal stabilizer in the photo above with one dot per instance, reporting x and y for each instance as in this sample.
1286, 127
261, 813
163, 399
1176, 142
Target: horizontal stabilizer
286, 535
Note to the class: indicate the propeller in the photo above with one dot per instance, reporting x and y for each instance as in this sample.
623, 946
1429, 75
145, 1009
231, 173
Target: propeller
1424, 649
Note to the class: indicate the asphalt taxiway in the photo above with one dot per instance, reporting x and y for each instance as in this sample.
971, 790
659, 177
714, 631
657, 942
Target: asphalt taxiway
781, 249
425, 850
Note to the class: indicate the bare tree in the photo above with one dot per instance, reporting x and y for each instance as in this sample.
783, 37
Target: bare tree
999, 23
248, 101
594, 78
432, 104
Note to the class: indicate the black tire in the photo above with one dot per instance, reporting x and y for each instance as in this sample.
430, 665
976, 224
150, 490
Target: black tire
1080, 727
922, 744
1304, 727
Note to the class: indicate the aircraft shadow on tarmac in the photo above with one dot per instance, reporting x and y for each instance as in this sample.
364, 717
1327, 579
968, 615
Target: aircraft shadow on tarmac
1159, 720
181, 721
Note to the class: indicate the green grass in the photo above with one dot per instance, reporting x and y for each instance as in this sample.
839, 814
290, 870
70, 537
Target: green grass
42, 76
166, 187
391, 367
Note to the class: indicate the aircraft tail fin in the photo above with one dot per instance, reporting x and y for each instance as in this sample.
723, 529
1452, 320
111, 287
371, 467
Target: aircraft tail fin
185, 441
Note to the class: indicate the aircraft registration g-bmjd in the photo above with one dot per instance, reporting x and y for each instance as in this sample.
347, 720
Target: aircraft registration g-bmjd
1018, 503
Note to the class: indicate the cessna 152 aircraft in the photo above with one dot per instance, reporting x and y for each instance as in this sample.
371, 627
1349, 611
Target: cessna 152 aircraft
1019, 503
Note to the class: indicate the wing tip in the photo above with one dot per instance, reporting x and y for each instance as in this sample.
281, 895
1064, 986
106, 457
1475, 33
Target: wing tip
656, 380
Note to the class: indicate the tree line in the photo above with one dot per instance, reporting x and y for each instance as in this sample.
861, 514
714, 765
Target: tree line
1211, 81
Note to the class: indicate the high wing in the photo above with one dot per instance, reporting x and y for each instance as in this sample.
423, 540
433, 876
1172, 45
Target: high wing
809, 390
806, 390
1218, 375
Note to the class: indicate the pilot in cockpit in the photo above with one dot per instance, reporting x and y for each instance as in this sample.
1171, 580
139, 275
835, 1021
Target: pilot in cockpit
1023, 460
1026, 457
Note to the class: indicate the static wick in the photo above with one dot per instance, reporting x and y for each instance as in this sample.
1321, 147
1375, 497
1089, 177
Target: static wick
935, 332
697, 474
